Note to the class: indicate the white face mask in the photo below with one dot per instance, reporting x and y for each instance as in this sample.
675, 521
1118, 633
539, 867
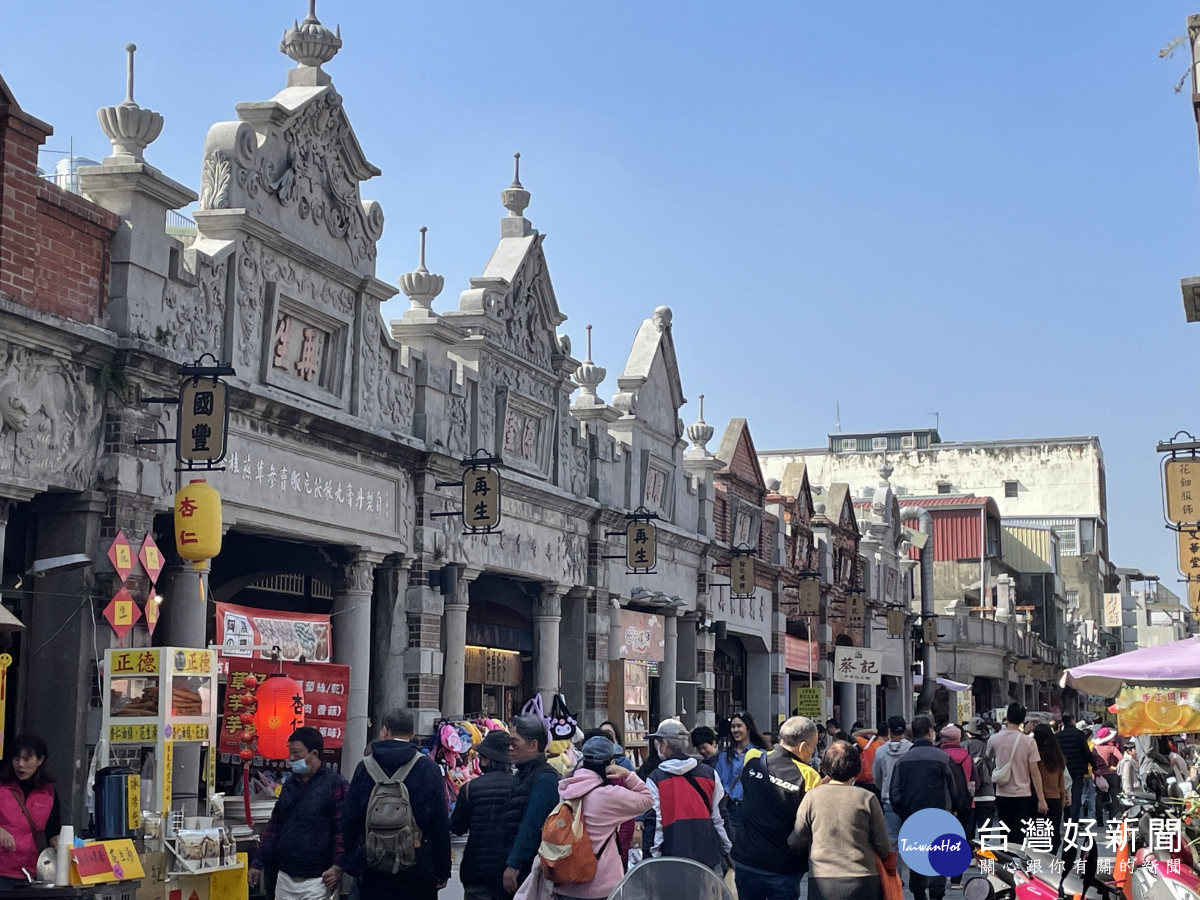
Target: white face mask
298, 766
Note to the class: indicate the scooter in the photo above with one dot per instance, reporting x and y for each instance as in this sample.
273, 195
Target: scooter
1154, 874
1030, 875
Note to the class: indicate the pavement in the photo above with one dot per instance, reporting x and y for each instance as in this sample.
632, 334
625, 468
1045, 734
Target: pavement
454, 891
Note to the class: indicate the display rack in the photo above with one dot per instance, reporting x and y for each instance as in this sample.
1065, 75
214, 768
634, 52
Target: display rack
629, 704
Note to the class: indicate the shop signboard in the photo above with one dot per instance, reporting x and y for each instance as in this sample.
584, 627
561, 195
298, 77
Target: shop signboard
807, 701
326, 688
487, 665
1157, 711
640, 636
857, 665
1112, 610
810, 596
296, 635
1183, 494
800, 655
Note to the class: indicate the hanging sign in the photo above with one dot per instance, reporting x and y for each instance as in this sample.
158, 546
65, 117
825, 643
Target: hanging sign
810, 596
1183, 494
1189, 553
481, 499
857, 666
122, 613
203, 422
855, 610
1194, 597
741, 575
641, 545
929, 630
197, 521
325, 687
153, 604
800, 655
895, 622
120, 553
151, 558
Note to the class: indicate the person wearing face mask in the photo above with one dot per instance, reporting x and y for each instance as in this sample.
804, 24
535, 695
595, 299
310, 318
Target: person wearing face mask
303, 840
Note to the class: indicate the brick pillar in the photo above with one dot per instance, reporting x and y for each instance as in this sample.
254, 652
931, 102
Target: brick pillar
20, 136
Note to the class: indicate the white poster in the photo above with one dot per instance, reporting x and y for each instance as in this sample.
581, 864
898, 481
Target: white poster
857, 666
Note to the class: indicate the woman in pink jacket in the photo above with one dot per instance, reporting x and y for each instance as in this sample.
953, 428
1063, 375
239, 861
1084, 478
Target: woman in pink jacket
611, 795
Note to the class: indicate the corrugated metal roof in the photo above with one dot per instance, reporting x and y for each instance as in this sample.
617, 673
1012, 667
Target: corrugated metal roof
1027, 549
955, 535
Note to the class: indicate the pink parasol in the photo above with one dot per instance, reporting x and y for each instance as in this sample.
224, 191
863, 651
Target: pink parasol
1167, 665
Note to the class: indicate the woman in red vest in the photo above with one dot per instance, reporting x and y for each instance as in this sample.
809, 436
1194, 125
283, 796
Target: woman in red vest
29, 812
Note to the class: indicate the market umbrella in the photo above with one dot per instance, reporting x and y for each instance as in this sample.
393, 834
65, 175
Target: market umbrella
1167, 665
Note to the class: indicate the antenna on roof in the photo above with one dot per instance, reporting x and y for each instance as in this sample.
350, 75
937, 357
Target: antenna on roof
937, 421
837, 417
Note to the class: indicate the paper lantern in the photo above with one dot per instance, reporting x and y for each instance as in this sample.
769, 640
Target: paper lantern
280, 712
197, 521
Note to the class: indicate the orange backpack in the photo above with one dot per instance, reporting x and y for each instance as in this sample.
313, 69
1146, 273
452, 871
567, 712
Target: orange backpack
566, 848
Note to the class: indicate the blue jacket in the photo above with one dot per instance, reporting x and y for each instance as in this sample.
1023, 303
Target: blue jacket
728, 764
427, 794
536, 794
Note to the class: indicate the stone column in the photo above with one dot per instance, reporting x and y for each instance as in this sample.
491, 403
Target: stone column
706, 646
390, 622
354, 584
547, 615
667, 690
185, 605
456, 590
6, 506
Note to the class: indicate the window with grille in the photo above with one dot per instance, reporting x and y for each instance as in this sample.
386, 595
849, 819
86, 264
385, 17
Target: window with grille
879, 443
1010, 489
1067, 539
908, 442
848, 444
1072, 599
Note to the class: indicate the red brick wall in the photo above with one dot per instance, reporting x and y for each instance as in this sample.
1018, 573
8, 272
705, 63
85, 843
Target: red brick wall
53, 245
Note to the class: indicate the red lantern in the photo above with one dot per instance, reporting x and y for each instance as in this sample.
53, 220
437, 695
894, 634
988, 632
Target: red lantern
280, 712
246, 754
246, 736
250, 682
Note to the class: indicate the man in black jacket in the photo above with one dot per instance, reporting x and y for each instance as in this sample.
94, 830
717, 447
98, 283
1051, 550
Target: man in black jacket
772, 788
533, 799
426, 794
483, 809
1078, 755
922, 779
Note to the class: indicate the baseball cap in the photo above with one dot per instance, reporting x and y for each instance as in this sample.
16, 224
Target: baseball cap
599, 750
670, 728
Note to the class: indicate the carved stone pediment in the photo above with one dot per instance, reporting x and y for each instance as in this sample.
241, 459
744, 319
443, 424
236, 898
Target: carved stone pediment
295, 164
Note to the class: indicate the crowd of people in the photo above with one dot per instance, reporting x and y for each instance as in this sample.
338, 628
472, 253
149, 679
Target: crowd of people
764, 813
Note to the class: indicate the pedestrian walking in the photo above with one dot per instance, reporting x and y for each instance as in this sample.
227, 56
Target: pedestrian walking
704, 739
1052, 766
534, 797
397, 828
609, 795
773, 784
841, 832
687, 796
977, 733
951, 744
923, 779
883, 766
1106, 756
483, 812
729, 763
1015, 774
304, 842
1078, 757
868, 741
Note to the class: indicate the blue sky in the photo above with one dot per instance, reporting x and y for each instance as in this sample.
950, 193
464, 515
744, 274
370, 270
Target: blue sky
979, 210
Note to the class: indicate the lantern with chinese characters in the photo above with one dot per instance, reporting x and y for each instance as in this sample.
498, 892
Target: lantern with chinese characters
197, 521
280, 712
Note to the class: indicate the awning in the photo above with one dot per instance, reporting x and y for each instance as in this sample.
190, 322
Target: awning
1166, 665
9, 622
949, 685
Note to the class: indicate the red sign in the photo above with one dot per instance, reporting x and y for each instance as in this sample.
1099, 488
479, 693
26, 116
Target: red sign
120, 553
91, 860
151, 557
122, 612
800, 655
296, 635
326, 689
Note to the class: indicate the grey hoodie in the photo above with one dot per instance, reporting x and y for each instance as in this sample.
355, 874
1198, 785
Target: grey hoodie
885, 761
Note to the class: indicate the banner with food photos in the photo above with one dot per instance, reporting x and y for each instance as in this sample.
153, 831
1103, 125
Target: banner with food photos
297, 635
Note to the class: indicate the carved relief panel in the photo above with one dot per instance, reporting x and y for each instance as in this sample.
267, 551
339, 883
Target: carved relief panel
306, 351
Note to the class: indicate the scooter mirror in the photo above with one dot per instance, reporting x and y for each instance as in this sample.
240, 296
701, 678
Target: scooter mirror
978, 888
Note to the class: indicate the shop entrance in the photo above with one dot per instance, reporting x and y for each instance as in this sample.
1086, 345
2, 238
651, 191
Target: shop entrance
729, 666
498, 672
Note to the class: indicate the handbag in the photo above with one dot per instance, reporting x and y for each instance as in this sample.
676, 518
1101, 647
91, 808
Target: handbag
39, 836
1101, 782
889, 877
1001, 774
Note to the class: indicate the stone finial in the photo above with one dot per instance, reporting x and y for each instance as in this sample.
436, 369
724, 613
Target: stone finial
514, 197
311, 44
885, 473
588, 376
421, 286
129, 127
699, 432
662, 318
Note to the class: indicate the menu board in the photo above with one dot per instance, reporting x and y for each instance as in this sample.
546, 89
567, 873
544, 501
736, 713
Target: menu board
325, 689
296, 635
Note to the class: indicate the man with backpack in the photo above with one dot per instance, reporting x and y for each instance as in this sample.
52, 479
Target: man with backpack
687, 798
882, 767
397, 830
303, 840
977, 734
534, 797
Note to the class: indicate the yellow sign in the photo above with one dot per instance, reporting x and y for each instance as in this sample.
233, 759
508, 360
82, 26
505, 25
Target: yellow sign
930, 630
194, 662
133, 734
168, 773
481, 498
741, 576
230, 884
203, 417
1189, 553
190, 731
1183, 494
133, 802
806, 701
641, 545
855, 611
133, 662
124, 556
105, 862
810, 596
211, 763
1157, 711
1194, 597
895, 622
